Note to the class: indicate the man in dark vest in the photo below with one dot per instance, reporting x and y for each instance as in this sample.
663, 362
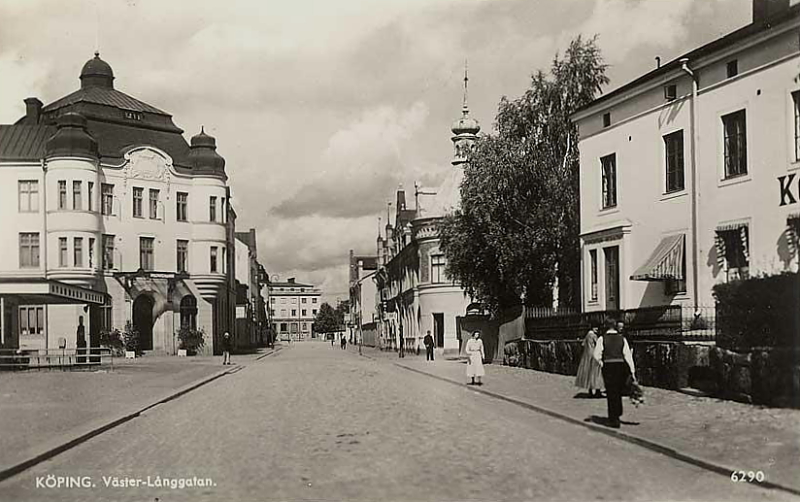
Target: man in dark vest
616, 360
428, 346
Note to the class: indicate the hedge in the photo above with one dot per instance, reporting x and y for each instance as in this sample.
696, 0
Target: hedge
759, 312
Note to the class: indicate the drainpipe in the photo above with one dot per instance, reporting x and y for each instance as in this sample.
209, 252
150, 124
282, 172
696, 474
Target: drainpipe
694, 194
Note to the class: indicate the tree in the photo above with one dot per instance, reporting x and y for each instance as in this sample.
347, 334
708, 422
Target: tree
516, 234
327, 320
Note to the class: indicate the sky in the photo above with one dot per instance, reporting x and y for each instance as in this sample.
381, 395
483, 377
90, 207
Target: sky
322, 108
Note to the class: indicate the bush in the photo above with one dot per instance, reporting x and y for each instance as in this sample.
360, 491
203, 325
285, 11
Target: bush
112, 340
130, 338
759, 312
192, 340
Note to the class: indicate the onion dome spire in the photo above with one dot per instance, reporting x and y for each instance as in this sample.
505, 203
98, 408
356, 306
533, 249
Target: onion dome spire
203, 156
97, 73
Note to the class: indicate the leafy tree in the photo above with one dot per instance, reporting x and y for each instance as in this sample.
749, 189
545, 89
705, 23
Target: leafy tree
516, 234
327, 319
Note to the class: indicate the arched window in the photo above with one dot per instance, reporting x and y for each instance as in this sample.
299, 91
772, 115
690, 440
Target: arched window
189, 312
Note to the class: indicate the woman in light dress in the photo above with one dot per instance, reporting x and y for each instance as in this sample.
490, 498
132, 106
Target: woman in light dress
474, 350
589, 372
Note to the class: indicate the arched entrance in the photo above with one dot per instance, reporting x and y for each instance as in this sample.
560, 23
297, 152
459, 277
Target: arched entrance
143, 320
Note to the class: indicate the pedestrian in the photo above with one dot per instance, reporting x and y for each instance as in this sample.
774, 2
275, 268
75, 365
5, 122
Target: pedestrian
226, 348
332, 340
589, 372
615, 357
428, 346
476, 355
343, 342
402, 344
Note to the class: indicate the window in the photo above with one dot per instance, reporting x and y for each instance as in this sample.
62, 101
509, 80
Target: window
212, 208
607, 119
294, 301
272, 300
146, 258
283, 312
283, 301
154, 204
796, 101
91, 252
213, 259
294, 312
63, 252
735, 132
283, 327
305, 326
138, 193
609, 163
31, 321
28, 196
437, 268
675, 286
593, 275
108, 252
732, 68
77, 204
224, 211
29, 249
62, 194
182, 255
224, 262
90, 194
304, 300
272, 312
673, 147
107, 196
304, 312
181, 206
313, 300
106, 318
314, 312
77, 252
189, 312
733, 252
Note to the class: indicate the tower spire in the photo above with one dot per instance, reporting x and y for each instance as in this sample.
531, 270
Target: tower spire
465, 108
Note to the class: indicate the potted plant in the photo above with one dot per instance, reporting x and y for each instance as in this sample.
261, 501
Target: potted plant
130, 339
191, 340
112, 340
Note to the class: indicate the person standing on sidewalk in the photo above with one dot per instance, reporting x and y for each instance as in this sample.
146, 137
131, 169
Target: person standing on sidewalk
226, 348
428, 346
402, 344
615, 357
589, 372
474, 350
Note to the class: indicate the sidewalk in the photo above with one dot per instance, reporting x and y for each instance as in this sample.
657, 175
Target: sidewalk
726, 434
44, 409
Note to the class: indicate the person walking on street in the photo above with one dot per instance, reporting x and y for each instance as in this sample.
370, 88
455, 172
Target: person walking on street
226, 348
428, 340
615, 357
332, 340
589, 372
402, 344
344, 342
474, 350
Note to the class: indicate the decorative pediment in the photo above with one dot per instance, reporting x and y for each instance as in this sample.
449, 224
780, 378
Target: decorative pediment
148, 164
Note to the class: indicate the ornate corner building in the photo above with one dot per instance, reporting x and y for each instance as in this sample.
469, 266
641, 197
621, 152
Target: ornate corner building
109, 217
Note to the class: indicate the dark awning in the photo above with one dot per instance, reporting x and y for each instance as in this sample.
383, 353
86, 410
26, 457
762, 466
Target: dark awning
48, 291
666, 262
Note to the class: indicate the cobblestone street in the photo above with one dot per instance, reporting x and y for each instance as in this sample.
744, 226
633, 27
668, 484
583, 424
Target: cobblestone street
316, 423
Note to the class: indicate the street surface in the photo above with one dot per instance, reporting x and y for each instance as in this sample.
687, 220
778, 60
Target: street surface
316, 423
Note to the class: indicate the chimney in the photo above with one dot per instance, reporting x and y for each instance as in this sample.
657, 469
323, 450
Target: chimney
33, 111
764, 10
290, 280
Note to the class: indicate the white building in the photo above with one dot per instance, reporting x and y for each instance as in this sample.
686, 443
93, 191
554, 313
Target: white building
111, 217
293, 307
689, 174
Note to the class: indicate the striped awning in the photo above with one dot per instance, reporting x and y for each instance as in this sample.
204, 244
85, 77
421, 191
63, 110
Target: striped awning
666, 262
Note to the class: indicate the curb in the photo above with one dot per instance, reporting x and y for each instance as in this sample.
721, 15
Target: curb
625, 436
51, 452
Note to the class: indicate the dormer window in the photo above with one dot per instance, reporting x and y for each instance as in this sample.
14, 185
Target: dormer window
733, 68
129, 115
606, 119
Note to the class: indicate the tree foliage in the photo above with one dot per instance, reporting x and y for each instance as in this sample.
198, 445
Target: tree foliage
518, 226
328, 319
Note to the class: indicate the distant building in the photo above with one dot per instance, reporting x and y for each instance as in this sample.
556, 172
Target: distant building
110, 217
415, 293
293, 307
364, 300
690, 174
251, 319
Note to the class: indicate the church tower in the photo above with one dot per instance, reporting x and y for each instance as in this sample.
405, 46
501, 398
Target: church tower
465, 130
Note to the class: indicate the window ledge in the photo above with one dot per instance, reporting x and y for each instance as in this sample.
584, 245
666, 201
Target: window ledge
674, 195
609, 210
736, 180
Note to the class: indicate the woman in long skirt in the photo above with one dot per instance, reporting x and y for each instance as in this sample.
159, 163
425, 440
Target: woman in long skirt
589, 372
474, 350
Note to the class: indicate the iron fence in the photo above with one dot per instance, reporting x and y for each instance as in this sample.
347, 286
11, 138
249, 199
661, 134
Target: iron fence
668, 322
75, 358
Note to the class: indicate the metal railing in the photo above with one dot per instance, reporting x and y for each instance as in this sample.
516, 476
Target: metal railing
72, 358
668, 322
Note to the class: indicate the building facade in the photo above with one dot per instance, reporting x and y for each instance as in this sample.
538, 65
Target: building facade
689, 174
364, 303
415, 293
251, 319
293, 308
115, 220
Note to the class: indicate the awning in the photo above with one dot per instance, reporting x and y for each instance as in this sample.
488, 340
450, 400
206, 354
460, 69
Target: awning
48, 291
666, 262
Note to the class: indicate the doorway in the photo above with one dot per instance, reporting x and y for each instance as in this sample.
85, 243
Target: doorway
612, 277
143, 321
438, 329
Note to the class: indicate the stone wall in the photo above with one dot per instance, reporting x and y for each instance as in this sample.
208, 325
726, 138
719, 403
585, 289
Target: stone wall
768, 376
